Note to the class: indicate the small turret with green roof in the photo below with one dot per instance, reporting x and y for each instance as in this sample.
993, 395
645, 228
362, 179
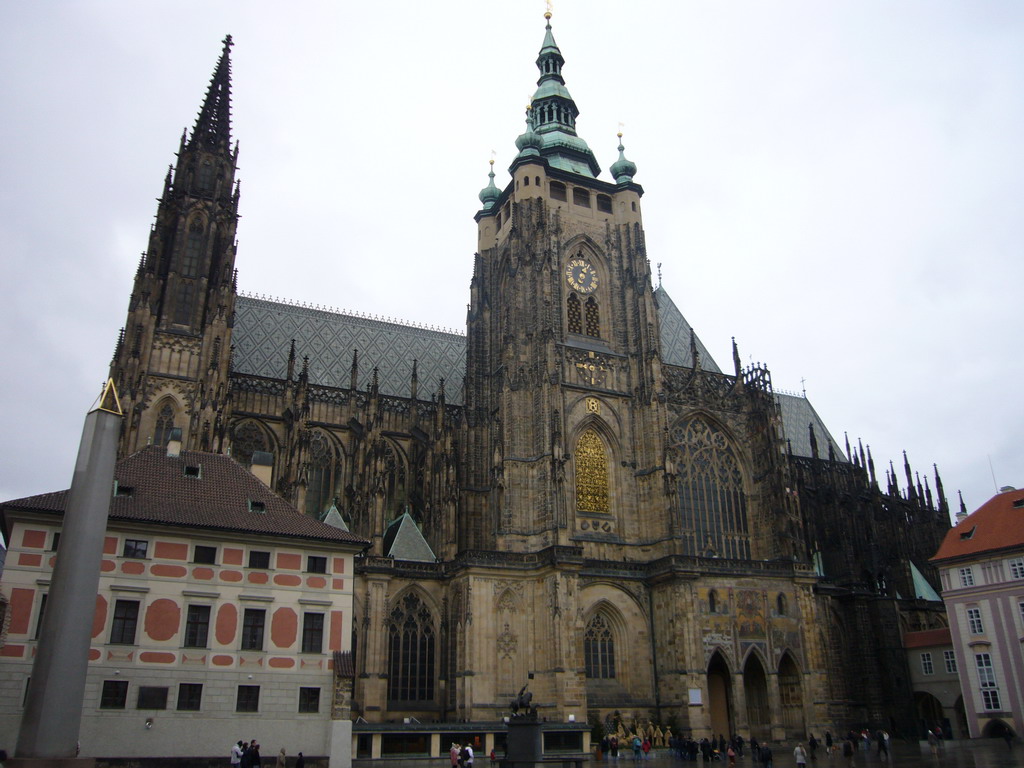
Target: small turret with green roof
490, 194
623, 170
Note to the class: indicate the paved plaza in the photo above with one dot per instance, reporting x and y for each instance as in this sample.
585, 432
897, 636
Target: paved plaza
982, 753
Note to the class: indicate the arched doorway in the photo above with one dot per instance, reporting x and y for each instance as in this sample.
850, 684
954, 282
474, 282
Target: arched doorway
929, 712
755, 691
997, 729
791, 696
719, 695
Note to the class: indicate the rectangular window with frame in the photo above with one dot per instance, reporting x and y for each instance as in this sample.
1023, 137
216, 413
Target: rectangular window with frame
190, 697
248, 699
1020, 607
253, 622
581, 197
604, 204
950, 658
558, 191
316, 564
136, 548
974, 621
152, 697
114, 694
197, 626
42, 611
927, 668
313, 633
204, 555
309, 699
967, 577
55, 542
259, 559
987, 680
126, 618
1017, 568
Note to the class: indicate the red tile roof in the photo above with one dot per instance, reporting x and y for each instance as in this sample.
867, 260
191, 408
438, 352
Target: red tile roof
926, 637
997, 524
217, 499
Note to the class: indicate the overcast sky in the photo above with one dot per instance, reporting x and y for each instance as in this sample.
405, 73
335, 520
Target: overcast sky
838, 185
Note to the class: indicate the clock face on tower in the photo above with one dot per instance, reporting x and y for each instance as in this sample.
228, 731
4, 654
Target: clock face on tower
581, 276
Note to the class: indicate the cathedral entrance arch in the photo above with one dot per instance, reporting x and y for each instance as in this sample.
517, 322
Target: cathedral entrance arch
755, 692
791, 696
719, 695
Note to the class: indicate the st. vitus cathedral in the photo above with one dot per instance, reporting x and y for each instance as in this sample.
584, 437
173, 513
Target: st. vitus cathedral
572, 493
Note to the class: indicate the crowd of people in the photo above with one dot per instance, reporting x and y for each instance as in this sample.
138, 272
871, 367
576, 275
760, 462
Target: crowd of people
246, 754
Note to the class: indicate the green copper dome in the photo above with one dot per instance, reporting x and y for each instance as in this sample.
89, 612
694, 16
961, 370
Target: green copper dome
529, 143
623, 170
490, 194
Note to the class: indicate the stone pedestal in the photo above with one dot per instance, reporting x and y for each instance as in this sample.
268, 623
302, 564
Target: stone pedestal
525, 743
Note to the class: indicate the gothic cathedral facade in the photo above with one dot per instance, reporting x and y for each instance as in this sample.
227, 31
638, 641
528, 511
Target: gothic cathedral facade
573, 494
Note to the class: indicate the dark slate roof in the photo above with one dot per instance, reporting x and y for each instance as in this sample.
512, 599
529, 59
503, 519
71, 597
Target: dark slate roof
797, 413
675, 336
264, 331
218, 499
996, 525
403, 540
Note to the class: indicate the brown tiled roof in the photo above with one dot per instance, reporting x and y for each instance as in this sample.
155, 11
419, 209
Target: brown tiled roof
926, 637
996, 525
217, 499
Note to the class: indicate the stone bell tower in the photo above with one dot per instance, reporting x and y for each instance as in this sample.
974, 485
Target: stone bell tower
562, 358
172, 358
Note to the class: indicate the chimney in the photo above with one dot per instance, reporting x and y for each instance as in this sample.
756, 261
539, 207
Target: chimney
263, 466
174, 443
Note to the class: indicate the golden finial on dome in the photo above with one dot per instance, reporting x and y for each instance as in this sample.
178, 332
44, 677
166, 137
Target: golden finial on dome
621, 126
547, 13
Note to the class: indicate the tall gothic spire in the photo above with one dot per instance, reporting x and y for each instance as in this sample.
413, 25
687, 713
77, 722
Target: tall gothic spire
554, 113
213, 125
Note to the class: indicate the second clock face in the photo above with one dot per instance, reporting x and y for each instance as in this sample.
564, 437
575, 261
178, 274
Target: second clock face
581, 276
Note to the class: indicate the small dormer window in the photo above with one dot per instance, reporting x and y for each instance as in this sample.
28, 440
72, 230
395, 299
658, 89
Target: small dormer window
1018, 503
257, 506
123, 490
968, 534
193, 470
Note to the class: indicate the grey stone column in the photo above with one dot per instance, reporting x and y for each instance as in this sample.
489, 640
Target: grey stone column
53, 710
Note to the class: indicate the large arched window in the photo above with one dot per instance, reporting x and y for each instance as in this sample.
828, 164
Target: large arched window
164, 425
591, 474
411, 651
324, 475
712, 503
599, 648
248, 439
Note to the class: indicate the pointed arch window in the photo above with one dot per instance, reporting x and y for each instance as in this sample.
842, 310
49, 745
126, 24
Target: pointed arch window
205, 176
194, 241
324, 475
164, 425
591, 474
248, 439
711, 499
183, 306
391, 475
411, 651
599, 649
574, 314
593, 318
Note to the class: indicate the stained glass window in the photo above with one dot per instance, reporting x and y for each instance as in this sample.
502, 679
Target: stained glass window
164, 425
591, 474
599, 648
712, 503
248, 439
411, 651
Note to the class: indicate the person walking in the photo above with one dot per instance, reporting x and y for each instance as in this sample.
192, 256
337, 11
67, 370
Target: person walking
236, 754
800, 755
828, 743
300, 761
453, 755
467, 756
812, 745
282, 759
766, 756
